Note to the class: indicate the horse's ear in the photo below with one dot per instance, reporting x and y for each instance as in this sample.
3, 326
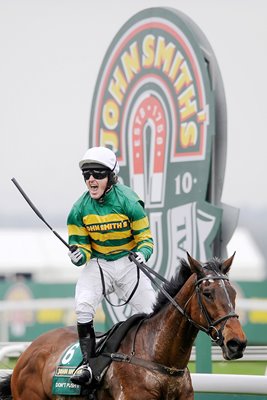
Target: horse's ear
226, 265
194, 264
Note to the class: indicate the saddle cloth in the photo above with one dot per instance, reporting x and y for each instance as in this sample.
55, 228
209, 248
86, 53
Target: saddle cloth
72, 358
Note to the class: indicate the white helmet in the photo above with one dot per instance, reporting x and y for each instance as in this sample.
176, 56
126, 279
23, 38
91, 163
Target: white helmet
101, 155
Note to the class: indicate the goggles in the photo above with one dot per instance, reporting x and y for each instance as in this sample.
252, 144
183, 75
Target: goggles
97, 173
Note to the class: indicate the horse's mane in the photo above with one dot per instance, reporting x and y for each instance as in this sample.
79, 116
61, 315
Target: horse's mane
179, 279
173, 287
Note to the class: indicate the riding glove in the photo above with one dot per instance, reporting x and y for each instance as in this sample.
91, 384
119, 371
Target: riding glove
75, 254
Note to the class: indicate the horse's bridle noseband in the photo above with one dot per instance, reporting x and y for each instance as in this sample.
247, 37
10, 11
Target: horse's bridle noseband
211, 324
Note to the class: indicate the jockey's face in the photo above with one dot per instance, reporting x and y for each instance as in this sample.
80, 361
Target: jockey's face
96, 187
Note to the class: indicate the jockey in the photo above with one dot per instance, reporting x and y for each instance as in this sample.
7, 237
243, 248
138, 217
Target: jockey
104, 224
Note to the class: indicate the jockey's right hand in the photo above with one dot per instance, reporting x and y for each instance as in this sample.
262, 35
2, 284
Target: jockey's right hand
75, 254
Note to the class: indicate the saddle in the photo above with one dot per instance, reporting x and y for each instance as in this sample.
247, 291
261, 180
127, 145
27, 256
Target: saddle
106, 343
110, 343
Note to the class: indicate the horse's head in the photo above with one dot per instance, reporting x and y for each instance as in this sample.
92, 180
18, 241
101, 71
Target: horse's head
213, 306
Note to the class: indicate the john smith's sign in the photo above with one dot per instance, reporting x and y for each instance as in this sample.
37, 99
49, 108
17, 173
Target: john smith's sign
154, 106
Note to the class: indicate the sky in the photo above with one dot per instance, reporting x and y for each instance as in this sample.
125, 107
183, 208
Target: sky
51, 52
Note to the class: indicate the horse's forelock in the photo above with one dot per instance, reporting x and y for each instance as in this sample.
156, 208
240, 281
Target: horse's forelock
173, 287
215, 264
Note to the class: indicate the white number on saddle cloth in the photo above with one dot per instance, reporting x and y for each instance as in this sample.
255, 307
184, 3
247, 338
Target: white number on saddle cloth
69, 354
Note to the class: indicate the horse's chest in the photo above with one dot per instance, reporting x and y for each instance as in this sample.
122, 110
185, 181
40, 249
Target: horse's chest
128, 382
174, 388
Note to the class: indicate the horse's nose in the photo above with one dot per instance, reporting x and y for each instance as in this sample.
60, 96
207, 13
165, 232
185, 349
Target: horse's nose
236, 347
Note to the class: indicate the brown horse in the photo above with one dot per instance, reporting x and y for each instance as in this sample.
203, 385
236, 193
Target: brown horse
157, 351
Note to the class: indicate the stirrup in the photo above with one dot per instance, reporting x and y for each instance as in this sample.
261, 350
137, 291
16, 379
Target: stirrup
83, 375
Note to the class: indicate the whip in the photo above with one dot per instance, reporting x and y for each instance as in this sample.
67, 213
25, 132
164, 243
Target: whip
37, 212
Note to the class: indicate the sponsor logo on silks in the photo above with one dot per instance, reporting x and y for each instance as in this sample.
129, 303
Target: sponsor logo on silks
153, 105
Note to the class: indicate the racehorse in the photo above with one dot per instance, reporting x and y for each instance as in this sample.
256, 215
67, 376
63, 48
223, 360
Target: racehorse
156, 351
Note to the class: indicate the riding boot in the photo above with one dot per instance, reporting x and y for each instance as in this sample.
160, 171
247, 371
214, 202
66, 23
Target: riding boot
83, 375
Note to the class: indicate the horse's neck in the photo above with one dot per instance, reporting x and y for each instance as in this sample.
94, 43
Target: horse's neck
175, 335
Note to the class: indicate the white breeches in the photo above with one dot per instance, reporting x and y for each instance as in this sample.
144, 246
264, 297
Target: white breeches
120, 277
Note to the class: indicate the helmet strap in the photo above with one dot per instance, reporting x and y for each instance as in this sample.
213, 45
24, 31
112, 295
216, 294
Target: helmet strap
112, 180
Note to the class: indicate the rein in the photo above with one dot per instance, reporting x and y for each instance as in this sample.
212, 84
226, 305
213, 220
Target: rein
211, 324
145, 268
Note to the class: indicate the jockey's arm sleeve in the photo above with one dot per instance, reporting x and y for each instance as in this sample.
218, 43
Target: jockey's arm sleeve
78, 235
141, 231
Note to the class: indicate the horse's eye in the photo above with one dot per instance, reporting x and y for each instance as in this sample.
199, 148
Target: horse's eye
208, 295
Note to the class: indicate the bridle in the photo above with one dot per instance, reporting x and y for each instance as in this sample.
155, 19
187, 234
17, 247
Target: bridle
211, 325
